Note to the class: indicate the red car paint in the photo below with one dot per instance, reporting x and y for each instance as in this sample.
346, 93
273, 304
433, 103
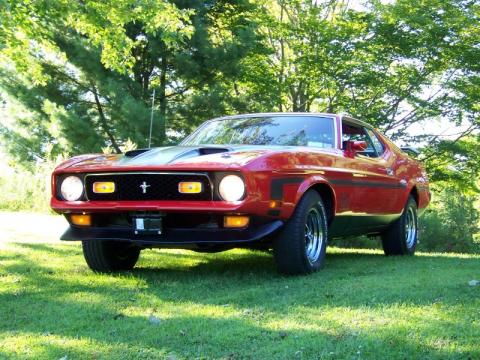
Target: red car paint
366, 194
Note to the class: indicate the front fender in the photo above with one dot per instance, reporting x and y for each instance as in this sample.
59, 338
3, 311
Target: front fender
320, 184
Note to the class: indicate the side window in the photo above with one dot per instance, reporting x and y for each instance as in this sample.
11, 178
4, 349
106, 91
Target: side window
377, 144
352, 132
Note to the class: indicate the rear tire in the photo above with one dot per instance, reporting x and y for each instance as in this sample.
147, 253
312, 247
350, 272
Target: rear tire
301, 245
110, 256
401, 237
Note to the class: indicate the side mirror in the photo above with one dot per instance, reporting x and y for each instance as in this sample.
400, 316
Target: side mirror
359, 146
352, 147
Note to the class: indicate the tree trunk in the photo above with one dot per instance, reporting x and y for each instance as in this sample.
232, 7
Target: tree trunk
281, 77
162, 97
104, 123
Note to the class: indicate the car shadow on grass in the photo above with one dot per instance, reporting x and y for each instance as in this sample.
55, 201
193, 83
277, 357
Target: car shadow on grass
241, 278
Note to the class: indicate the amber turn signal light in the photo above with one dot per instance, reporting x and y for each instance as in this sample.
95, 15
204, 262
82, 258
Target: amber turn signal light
81, 219
103, 187
235, 221
189, 187
275, 204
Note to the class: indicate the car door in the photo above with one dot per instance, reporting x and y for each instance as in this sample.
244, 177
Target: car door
373, 185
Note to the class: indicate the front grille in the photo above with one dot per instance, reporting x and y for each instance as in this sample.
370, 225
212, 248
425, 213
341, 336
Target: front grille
158, 186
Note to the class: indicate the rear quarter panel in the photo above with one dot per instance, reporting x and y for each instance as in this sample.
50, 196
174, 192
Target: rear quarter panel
413, 172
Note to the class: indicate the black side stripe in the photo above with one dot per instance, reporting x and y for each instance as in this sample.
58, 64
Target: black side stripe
276, 188
368, 184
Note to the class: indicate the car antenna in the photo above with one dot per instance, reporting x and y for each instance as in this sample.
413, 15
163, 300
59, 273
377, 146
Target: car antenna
151, 121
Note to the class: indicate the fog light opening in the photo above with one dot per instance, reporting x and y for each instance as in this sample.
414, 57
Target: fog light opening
190, 187
103, 187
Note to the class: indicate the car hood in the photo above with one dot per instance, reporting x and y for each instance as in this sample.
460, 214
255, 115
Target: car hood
181, 157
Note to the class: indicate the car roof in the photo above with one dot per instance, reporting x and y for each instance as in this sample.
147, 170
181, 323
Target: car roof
341, 116
356, 121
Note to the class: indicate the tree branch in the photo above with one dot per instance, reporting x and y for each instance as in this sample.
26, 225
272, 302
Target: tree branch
103, 120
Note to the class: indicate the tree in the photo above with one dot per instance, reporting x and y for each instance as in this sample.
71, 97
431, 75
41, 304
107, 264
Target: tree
392, 65
87, 69
454, 163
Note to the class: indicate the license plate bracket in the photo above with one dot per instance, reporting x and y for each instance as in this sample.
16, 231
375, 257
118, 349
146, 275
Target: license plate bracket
147, 225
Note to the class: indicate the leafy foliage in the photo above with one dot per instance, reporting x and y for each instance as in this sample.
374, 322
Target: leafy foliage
394, 65
86, 71
454, 163
79, 76
26, 189
451, 223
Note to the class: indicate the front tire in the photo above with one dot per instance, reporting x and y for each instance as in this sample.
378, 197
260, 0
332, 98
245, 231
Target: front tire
110, 256
401, 237
300, 247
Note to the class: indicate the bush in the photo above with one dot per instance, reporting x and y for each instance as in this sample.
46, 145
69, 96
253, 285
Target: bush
450, 223
26, 190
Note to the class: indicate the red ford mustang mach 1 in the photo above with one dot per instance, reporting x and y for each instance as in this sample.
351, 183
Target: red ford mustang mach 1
283, 181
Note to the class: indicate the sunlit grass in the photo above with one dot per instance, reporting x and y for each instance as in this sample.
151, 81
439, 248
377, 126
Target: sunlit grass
234, 305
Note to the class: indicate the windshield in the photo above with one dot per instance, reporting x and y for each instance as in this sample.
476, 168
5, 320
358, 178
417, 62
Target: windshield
267, 130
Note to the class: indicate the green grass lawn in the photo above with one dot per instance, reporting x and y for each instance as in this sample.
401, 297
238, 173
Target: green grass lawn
233, 305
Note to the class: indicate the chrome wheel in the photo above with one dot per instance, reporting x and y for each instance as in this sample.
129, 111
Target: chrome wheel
300, 247
410, 228
313, 235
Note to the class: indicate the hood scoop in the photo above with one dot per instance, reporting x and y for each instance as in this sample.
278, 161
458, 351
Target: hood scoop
212, 150
133, 153
168, 155
199, 152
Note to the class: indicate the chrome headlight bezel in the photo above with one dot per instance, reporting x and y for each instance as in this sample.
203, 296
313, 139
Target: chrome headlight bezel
231, 188
71, 188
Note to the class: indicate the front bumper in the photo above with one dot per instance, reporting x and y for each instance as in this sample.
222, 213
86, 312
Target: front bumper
175, 236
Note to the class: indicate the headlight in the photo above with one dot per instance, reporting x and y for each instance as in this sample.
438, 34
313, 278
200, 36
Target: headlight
71, 188
231, 188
